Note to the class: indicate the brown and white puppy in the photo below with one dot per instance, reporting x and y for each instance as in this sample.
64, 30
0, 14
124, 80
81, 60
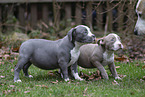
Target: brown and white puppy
101, 54
140, 24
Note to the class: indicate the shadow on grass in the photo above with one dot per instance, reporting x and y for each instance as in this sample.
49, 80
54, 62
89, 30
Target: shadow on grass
44, 76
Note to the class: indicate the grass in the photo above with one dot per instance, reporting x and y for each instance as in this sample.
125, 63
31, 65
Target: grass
46, 85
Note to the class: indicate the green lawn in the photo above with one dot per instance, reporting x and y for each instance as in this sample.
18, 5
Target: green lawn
45, 84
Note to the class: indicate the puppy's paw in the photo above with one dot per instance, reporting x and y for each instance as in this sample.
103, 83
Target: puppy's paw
67, 79
29, 76
118, 78
80, 79
17, 81
76, 76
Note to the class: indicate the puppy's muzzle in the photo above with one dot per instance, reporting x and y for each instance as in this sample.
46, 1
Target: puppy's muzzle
93, 37
121, 46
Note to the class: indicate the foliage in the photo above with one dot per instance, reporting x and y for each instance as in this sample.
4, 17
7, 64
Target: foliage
13, 40
11, 19
49, 83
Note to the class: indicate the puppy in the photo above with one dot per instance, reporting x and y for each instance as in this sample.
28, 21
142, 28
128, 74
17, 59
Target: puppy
48, 55
140, 24
101, 54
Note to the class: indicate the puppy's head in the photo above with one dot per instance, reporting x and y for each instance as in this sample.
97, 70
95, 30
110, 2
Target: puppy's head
81, 34
111, 42
140, 24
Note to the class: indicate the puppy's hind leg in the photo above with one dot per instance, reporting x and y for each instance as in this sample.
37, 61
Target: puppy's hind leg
25, 70
21, 62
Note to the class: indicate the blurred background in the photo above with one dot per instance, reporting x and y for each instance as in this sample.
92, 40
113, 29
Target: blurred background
52, 19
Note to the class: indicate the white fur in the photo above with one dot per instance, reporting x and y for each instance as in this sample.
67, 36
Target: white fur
66, 79
117, 43
75, 53
108, 57
140, 24
76, 76
89, 31
17, 81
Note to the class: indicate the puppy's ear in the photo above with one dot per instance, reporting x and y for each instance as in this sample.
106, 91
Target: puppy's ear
71, 34
101, 41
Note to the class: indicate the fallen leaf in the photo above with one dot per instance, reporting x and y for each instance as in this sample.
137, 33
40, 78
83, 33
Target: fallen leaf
5, 92
120, 59
137, 65
94, 76
26, 91
50, 73
44, 86
7, 57
143, 67
1, 63
12, 70
15, 49
97, 78
54, 82
117, 67
115, 82
91, 77
8, 91
122, 76
12, 86
38, 85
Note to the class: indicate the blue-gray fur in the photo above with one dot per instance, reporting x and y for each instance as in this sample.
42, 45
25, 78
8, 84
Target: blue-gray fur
48, 55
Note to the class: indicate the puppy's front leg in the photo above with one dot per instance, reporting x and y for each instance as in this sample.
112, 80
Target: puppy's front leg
113, 71
101, 69
74, 72
64, 69
65, 73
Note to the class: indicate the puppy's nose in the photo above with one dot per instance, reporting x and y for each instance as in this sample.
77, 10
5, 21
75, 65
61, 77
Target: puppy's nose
135, 32
94, 37
121, 46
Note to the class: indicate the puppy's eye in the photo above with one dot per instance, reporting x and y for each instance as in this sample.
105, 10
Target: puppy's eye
86, 32
112, 39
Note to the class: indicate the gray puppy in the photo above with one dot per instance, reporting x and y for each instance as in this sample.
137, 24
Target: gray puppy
49, 55
98, 56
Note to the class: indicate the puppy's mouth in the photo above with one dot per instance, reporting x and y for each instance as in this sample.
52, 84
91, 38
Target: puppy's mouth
115, 49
